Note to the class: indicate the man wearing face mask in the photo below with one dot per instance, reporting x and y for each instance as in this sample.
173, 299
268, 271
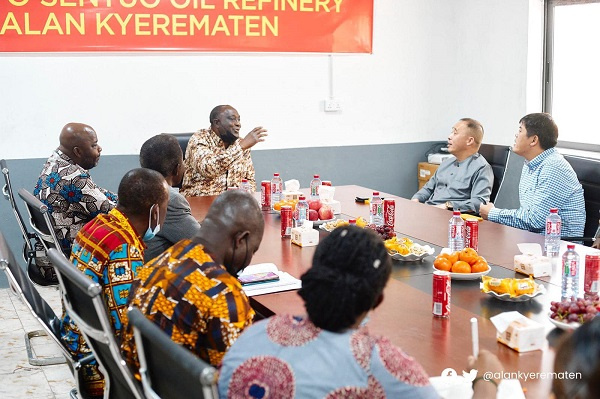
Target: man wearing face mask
110, 250
217, 158
191, 291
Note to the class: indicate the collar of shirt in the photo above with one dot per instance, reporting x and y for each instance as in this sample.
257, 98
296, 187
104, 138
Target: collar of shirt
124, 221
537, 161
474, 156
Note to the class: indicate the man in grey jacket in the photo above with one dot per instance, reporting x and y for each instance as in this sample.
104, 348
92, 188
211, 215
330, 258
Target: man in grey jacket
163, 154
462, 182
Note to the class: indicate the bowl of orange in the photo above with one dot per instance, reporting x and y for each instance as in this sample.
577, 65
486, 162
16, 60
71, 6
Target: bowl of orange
462, 265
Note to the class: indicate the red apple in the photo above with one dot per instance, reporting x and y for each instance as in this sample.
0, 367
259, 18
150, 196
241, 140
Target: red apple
325, 213
314, 204
313, 215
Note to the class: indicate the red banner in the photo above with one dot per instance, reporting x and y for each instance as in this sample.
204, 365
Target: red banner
340, 26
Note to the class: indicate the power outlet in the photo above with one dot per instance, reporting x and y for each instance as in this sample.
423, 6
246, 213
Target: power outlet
332, 105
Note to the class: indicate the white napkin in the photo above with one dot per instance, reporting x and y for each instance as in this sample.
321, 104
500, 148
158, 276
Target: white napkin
292, 185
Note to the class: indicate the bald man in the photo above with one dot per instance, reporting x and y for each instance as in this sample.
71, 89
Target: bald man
65, 184
110, 250
462, 182
217, 158
191, 290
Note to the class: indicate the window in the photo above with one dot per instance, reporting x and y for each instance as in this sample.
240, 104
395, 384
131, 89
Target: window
572, 73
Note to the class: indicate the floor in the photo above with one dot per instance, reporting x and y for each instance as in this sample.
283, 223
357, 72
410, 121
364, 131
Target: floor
19, 379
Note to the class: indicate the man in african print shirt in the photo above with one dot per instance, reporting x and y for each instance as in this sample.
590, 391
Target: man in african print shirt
191, 291
66, 187
110, 250
217, 158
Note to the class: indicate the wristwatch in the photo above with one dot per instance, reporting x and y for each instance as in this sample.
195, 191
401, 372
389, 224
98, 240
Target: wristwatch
449, 205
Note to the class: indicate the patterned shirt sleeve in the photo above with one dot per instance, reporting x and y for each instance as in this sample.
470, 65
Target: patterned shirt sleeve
210, 161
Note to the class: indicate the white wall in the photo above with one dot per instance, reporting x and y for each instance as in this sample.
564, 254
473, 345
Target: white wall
433, 62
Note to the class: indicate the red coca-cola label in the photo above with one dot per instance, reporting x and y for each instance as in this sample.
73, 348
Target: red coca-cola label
592, 274
286, 221
457, 231
265, 194
472, 234
389, 213
441, 294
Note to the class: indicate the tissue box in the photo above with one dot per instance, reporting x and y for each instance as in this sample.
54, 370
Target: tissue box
291, 195
305, 237
335, 205
523, 335
533, 265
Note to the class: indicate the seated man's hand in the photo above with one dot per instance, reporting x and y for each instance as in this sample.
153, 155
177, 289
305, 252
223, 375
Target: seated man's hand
441, 206
488, 369
415, 200
596, 243
257, 135
484, 210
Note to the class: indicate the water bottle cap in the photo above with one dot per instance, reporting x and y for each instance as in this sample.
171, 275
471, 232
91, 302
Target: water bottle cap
570, 246
275, 174
302, 198
352, 221
456, 213
316, 176
244, 180
375, 192
553, 210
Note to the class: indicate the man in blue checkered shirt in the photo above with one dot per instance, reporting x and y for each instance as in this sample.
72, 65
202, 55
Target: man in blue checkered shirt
547, 181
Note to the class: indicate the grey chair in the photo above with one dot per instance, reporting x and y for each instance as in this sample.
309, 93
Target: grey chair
41, 222
43, 313
168, 370
84, 302
32, 247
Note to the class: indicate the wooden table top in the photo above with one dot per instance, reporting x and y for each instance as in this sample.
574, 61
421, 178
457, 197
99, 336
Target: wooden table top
405, 316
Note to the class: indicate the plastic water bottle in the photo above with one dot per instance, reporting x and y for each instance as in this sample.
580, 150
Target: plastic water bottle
245, 186
276, 189
376, 210
570, 270
456, 232
301, 212
315, 183
552, 236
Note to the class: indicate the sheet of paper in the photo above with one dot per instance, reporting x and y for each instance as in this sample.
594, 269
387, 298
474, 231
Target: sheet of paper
286, 281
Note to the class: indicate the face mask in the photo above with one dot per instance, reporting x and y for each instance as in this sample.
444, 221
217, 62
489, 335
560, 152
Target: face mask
151, 233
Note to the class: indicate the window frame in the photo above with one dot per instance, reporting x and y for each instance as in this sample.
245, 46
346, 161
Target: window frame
547, 92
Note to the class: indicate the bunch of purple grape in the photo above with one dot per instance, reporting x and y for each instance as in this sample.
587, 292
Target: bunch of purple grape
386, 232
574, 310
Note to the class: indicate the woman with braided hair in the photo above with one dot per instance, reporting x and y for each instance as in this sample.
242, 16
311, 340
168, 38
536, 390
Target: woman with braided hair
330, 353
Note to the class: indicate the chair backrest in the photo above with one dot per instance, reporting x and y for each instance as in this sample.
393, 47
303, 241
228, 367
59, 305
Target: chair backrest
183, 139
8, 193
40, 219
497, 157
588, 173
83, 300
29, 294
168, 370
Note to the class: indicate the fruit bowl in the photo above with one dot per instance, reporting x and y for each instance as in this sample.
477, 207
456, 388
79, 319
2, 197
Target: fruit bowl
539, 290
562, 325
467, 276
322, 222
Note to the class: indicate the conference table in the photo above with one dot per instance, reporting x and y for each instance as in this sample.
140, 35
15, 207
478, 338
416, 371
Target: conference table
405, 316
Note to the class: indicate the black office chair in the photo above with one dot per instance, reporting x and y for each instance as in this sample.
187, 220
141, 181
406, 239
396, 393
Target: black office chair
183, 139
168, 370
83, 300
42, 224
43, 313
32, 247
497, 157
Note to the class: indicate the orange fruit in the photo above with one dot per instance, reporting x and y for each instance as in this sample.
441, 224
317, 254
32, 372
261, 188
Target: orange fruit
451, 257
479, 266
461, 267
468, 255
442, 263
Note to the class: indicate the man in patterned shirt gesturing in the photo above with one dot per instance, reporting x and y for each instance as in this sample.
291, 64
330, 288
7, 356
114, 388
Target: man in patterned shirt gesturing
547, 181
217, 158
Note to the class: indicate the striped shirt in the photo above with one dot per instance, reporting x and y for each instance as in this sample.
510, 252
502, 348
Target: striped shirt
211, 168
547, 181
